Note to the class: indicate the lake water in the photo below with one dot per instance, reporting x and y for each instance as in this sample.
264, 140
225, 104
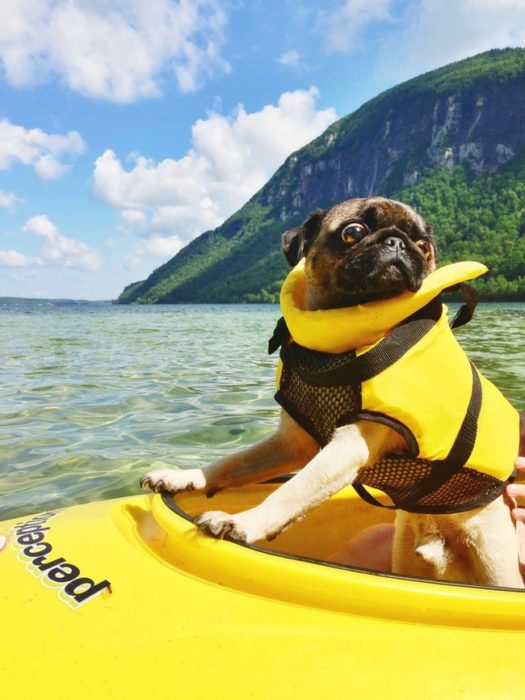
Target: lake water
91, 394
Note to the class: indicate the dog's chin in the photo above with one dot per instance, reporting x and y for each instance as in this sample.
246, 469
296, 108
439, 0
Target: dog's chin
396, 277
384, 282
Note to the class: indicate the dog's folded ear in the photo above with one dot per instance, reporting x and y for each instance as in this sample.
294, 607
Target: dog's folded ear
296, 241
292, 245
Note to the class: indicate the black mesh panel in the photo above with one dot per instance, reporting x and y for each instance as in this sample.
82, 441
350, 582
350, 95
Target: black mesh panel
400, 477
316, 408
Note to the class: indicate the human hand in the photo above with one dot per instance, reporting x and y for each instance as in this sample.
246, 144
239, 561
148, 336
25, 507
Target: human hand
516, 495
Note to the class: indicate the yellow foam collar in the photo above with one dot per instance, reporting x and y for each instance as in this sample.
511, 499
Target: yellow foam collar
339, 330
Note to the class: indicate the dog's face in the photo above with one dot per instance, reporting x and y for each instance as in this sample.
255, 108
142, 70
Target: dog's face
361, 250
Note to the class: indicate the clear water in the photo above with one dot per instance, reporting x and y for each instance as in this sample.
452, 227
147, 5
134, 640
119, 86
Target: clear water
91, 394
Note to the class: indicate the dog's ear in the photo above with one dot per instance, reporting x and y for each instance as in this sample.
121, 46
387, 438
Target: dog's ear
296, 241
292, 245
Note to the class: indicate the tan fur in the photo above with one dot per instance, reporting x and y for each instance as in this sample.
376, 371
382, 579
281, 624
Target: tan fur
479, 546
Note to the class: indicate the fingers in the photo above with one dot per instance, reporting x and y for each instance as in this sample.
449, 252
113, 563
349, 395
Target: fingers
516, 493
520, 464
518, 514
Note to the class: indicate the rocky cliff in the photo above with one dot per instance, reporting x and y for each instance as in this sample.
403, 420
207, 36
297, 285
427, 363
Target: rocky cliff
448, 142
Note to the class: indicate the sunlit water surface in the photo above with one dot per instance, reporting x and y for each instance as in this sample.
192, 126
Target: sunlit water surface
91, 394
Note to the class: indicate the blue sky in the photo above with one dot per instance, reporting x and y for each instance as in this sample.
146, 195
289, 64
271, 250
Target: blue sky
129, 127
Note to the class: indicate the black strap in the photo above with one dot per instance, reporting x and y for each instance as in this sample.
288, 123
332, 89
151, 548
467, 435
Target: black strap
461, 449
367, 496
358, 369
279, 337
456, 459
466, 437
466, 311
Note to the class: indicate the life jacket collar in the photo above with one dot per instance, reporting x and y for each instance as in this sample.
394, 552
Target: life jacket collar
340, 330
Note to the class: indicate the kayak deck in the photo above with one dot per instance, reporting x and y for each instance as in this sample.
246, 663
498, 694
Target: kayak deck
294, 567
187, 614
317, 536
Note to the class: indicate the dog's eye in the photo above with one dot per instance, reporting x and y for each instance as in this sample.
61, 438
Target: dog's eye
425, 248
353, 233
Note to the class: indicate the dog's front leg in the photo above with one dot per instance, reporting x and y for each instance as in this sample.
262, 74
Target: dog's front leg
335, 466
289, 449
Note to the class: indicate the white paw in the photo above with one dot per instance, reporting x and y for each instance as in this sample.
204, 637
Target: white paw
174, 480
245, 527
219, 524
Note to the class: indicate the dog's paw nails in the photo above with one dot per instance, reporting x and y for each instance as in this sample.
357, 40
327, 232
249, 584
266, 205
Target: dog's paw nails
143, 482
155, 485
173, 480
219, 525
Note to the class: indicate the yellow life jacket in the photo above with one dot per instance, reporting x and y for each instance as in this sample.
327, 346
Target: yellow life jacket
397, 361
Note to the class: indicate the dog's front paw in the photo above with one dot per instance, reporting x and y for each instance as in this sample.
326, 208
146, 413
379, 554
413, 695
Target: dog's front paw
249, 526
219, 524
173, 480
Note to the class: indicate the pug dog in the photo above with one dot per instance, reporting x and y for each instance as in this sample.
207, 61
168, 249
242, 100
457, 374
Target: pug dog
357, 251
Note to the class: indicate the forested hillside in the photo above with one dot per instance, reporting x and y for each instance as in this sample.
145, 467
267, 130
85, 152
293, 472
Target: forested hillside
451, 143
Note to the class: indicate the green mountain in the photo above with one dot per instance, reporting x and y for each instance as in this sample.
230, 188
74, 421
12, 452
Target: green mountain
451, 143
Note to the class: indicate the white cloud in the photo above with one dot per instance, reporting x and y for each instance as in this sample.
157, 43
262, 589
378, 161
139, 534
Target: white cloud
49, 168
423, 34
117, 50
8, 200
230, 159
149, 250
37, 149
342, 29
133, 219
12, 258
431, 33
160, 246
57, 249
289, 58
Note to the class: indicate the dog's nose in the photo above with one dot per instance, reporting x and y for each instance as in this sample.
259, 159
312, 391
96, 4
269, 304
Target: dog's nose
397, 244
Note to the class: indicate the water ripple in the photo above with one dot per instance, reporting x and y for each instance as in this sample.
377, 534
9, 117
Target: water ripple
92, 394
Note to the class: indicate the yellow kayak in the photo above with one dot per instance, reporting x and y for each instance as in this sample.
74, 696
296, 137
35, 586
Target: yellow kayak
125, 599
